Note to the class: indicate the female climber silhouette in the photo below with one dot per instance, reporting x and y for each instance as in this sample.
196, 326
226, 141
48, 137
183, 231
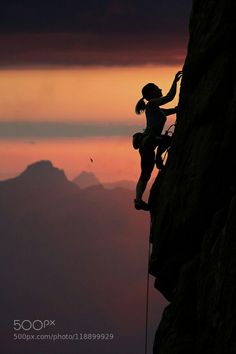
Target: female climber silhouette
152, 137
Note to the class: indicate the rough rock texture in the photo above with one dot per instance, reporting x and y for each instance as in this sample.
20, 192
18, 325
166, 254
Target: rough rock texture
193, 202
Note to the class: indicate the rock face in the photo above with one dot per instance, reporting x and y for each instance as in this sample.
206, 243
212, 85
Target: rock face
193, 204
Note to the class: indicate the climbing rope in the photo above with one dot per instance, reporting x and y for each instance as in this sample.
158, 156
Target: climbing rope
165, 154
149, 251
147, 302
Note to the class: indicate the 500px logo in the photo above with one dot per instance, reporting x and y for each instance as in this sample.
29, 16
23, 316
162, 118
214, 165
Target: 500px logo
37, 325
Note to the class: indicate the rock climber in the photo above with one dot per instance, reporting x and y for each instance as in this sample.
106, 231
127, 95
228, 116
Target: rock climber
152, 135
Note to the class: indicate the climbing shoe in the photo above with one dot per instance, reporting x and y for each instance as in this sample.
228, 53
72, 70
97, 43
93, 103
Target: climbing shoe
141, 205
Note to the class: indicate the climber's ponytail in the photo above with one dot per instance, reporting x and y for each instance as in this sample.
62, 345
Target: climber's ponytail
140, 106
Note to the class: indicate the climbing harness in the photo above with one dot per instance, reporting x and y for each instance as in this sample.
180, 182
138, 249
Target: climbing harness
168, 132
137, 140
147, 302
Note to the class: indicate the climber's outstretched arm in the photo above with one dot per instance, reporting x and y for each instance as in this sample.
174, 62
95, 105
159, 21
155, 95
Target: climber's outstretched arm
172, 92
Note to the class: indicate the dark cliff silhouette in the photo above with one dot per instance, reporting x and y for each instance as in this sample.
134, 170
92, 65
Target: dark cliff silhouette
193, 198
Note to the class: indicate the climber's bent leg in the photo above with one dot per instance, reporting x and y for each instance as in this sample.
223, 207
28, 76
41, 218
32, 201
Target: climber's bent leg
147, 165
140, 188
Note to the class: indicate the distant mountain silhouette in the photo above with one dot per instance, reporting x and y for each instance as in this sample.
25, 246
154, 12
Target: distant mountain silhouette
43, 169
41, 174
74, 255
86, 179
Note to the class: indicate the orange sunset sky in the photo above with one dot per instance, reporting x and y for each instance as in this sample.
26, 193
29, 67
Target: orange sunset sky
71, 74
96, 96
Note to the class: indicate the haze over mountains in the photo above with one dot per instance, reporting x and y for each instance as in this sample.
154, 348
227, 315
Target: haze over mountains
75, 255
87, 179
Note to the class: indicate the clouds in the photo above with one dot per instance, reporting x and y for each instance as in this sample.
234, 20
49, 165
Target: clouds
130, 32
103, 16
44, 130
69, 49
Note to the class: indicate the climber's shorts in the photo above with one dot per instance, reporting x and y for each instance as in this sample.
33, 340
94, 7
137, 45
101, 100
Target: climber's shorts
148, 155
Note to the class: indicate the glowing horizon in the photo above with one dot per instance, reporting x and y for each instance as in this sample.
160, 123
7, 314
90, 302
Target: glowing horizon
100, 97
81, 95
114, 159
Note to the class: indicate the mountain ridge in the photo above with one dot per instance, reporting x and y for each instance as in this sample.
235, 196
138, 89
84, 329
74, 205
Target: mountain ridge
74, 255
